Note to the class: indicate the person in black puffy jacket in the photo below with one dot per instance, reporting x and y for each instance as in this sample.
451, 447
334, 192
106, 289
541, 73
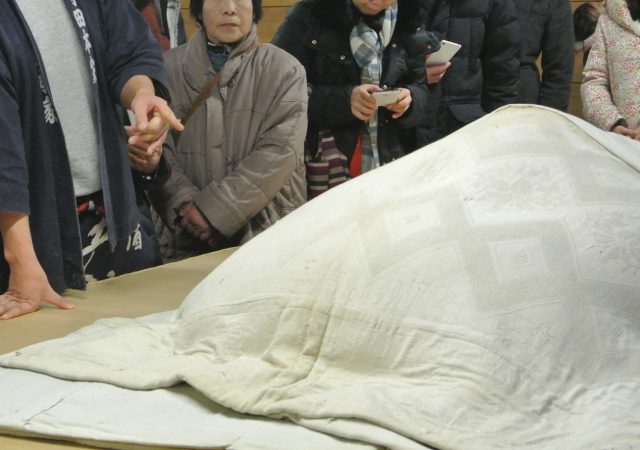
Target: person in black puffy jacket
483, 75
546, 27
320, 34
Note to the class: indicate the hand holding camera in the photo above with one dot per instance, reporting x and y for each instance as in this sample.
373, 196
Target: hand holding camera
367, 97
386, 97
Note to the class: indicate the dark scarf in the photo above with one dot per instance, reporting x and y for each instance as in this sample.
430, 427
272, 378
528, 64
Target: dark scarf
218, 54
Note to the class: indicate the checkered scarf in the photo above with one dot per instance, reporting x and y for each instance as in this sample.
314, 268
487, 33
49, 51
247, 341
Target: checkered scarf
367, 46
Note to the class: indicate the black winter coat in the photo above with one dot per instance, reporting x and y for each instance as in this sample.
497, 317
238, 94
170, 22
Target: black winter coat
547, 29
316, 32
484, 73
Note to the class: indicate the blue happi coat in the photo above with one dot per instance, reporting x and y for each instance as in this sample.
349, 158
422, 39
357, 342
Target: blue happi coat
35, 176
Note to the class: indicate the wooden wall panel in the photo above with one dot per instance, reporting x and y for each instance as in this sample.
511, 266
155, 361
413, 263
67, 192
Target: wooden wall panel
271, 19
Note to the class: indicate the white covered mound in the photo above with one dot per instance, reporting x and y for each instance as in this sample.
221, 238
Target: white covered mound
481, 293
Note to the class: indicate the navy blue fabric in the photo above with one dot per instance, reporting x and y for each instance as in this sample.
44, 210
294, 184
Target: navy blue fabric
139, 251
34, 171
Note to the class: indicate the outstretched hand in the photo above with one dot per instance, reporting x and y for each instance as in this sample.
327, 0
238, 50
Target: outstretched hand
146, 106
28, 283
28, 288
153, 118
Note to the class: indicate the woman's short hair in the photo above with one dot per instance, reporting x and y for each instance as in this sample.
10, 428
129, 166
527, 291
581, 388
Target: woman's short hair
585, 18
195, 9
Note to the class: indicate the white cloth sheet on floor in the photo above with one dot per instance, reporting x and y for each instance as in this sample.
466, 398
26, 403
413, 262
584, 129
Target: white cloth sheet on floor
480, 293
103, 415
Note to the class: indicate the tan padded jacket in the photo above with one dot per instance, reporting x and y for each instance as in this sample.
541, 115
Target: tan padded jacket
241, 157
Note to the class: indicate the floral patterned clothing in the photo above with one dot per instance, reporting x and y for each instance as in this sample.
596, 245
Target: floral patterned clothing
611, 84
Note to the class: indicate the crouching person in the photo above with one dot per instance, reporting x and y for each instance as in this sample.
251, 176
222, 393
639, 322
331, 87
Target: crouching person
238, 167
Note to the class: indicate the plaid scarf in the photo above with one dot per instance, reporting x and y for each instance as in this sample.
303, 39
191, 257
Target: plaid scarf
367, 46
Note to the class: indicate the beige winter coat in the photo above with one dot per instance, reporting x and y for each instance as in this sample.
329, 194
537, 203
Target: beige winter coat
240, 158
611, 87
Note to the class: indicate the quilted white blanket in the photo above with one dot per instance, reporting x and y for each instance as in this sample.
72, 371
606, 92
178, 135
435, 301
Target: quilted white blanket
481, 293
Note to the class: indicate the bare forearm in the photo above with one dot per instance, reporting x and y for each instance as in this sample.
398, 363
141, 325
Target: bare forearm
16, 238
28, 283
138, 84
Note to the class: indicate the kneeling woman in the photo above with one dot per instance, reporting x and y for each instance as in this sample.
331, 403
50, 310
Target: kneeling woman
238, 166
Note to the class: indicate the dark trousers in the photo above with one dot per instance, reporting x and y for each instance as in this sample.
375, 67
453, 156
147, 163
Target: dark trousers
139, 251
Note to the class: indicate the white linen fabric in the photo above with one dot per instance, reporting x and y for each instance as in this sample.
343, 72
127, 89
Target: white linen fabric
93, 414
481, 293
181, 417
